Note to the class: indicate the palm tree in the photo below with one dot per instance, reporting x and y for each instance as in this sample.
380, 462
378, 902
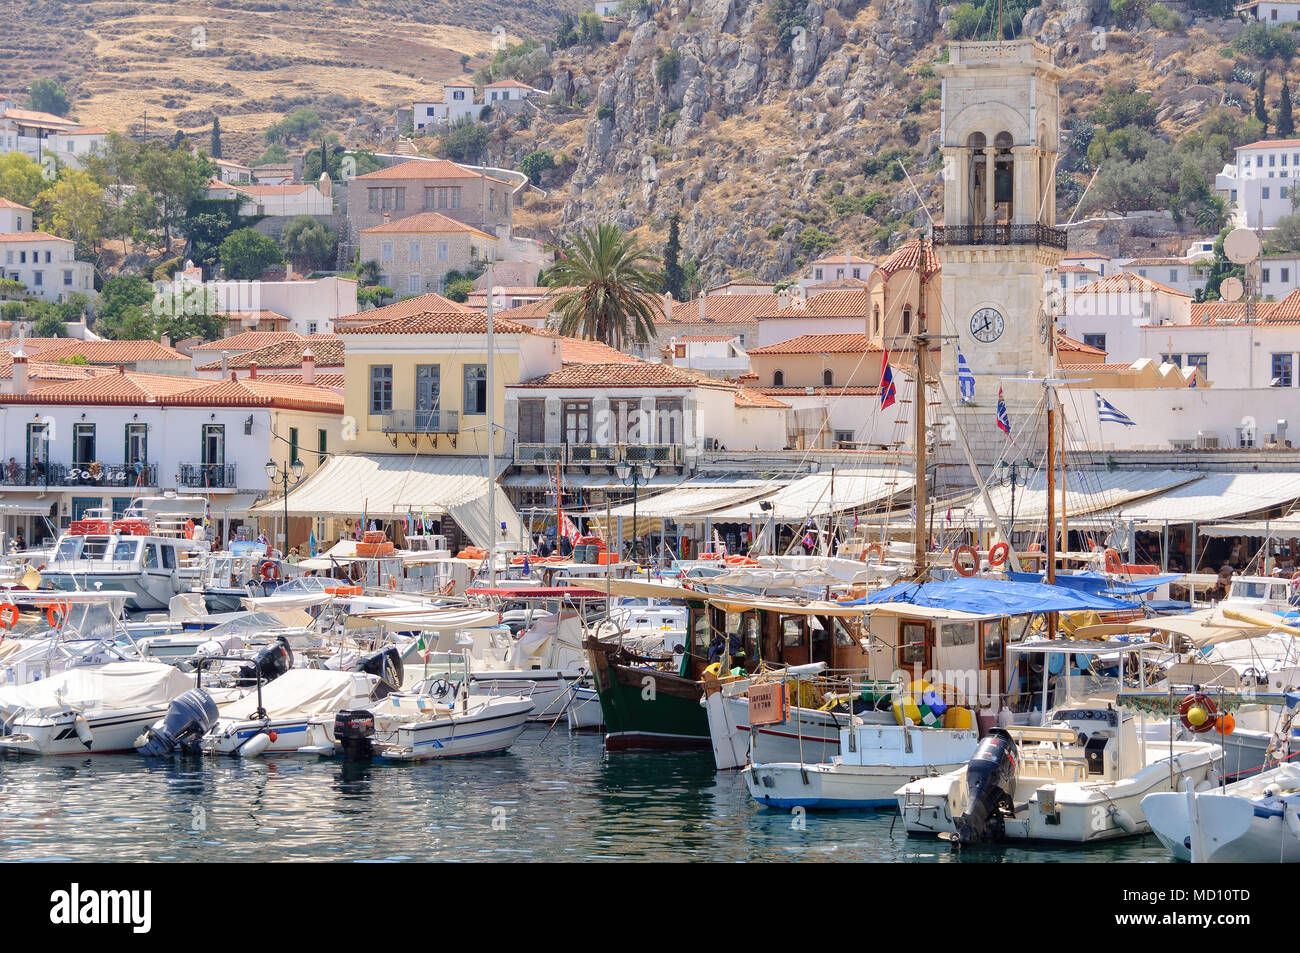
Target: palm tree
610, 292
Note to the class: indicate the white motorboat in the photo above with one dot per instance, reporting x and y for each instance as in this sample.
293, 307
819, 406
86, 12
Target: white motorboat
1256, 820
93, 708
584, 709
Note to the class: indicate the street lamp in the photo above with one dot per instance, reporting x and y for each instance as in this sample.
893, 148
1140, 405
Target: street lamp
635, 476
285, 477
1014, 474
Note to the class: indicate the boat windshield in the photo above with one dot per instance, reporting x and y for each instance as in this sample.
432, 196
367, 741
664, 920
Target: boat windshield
69, 547
306, 584
125, 550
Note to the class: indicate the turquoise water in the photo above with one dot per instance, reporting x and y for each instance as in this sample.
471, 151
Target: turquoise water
556, 797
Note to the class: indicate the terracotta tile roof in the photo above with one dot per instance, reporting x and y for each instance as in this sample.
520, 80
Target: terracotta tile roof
326, 348
1286, 311
1064, 343
50, 370
440, 322
533, 311
703, 338
6, 203
86, 131
1269, 144
837, 283
430, 223
248, 340
635, 374
513, 83
127, 387
39, 118
842, 303
1076, 270
255, 392
531, 290
1126, 282
721, 309
907, 256
841, 260
320, 380
820, 391
579, 351
131, 388
420, 304
751, 397
112, 352
255, 317
819, 344
1086, 257
32, 346
1153, 262
424, 169
32, 237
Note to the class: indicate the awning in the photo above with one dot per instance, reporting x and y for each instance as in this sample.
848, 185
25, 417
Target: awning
695, 499
994, 597
24, 509
391, 485
1086, 491
1280, 528
1215, 496
820, 494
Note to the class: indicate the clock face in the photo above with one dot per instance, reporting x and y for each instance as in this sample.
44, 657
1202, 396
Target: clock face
987, 325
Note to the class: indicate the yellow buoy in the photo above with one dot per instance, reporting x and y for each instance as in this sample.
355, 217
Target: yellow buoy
1197, 715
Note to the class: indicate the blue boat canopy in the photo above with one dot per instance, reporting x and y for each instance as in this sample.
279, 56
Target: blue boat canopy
1097, 582
994, 597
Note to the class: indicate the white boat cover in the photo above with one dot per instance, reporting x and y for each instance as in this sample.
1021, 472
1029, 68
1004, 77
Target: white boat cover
113, 686
303, 691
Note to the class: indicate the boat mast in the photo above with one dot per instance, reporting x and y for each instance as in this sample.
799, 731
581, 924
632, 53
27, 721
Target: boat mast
491, 451
921, 342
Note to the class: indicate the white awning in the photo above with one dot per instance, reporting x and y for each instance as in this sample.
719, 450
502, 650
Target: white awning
24, 509
1215, 496
695, 498
1086, 491
1281, 528
391, 485
819, 494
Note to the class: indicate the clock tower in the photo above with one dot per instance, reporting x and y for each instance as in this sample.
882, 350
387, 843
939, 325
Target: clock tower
999, 245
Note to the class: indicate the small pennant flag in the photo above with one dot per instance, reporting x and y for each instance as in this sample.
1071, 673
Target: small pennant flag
569, 529
311, 542
1109, 415
1004, 422
807, 539
1192, 382
965, 379
887, 391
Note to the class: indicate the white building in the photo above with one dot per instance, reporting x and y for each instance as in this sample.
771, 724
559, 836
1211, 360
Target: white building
38, 134
308, 306
1279, 275
1108, 313
834, 268
1270, 11
1188, 275
46, 265
235, 173
457, 103
14, 218
282, 200
716, 355
509, 90
607, 8
1258, 187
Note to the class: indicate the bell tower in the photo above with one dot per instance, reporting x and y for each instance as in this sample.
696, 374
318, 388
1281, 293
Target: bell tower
999, 245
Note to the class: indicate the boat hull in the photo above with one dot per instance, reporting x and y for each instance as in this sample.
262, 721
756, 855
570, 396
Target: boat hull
490, 732
647, 709
584, 711
829, 787
549, 689
109, 733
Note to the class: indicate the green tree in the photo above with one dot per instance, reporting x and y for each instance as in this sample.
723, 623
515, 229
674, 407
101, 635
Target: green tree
1221, 268
1285, 235
275, 154
208, 223
174, 179
295, 127
46, 320
215, 151
48, 96
1261, 109
375, 295
309, 243
667, 68
246, 253
21, 180
124, 311
73, 309
80, 210
674, 279
464, 141
1119, 107
458, 289
614, 287
535, 163
567, 35
368, 273
1285, 121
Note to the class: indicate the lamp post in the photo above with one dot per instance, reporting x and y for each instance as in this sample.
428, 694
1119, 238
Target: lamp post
285, 477
1014, 474
635, 477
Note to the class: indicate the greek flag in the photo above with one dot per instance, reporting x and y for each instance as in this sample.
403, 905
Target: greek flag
965, 379
1004, 422
1109, 415
887, 390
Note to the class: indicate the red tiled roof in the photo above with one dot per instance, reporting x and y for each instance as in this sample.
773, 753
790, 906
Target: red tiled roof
319, 380
720, 309
127, 387
623, 374
433, 223
840, 303
1064, 343
907, 256
440, 322
1272, 144
32, 116
1286, 311
326, 348
86, 131
424, 169
751, 397
512, 83
1125, 282
580, 351
841, 260
533, 310
32, 346
1176, 262
32, 237
112, 352
255, 392
132, 388
703, 338
835, 283
819, 344
1076, 270
420, 304
249, 340
6, 203
38, 369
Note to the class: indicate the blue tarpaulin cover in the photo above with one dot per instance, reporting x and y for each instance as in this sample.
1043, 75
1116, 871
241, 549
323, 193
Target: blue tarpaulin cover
994, 596
1100, 582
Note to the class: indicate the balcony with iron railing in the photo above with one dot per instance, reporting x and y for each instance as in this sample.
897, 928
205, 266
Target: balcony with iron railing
1032, 234
40, 473
597, 455
417, 423
219, 475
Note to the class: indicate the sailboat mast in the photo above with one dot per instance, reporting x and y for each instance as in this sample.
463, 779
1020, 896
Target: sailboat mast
1051, 488
491, 439
920, 341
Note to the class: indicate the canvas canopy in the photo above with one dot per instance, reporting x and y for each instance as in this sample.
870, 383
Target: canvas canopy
303, 691
113, 686
994, 597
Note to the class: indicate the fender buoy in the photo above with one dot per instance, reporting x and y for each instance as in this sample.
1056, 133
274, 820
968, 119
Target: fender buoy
1197, 713
55, 613
873, 548
961, 567
998, 554
920, 704
8, 616
189, 529
1113, 565
270, 570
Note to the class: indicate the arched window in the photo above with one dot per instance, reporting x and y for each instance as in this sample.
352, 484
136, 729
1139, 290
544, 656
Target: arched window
778, 379
875, 320
907, 320
828, 378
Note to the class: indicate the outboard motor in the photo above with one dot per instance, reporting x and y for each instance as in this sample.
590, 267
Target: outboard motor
991, 781
188, 719
385, 664
354, 731
272, 662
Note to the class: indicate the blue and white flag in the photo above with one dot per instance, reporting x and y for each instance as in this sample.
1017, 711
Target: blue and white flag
1109, 415
311, 542
1004, 421
965, 379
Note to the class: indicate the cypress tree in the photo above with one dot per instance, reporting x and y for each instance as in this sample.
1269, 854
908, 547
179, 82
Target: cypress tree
674, 277
1285, 122
1261, 111
215, 151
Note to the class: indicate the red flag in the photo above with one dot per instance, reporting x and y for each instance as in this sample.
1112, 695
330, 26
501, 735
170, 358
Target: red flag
887, 390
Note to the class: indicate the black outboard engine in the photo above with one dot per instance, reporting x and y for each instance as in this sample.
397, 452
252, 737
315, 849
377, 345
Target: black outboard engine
354, 731
386, 664
188, 719
273, 661
991, 781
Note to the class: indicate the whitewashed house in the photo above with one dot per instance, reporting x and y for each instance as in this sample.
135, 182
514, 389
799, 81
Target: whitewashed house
1258, 187
46, 264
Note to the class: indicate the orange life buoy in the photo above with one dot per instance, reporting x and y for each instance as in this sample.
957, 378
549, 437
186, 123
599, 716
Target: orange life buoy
1191, 701
270, 570
189, 529
873, 548
998, 553
343, 590
392, 582
55, 613
1033, 547
958, 565
449, 588
8, 616
1113, 565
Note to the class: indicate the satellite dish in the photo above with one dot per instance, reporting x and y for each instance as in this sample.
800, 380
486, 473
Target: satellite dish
1231, 289
1241, 246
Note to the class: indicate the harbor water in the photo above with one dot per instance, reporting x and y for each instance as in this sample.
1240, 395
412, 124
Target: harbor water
553, 797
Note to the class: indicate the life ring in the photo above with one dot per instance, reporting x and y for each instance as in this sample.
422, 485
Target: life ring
873, 548
55, 613
189, 529
1205, 704
270, 570
920, 704
343, 590
9, 616
998, 554
1113, 564
449, 588
961, 568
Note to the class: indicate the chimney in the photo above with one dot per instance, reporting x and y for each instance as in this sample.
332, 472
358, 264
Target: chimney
234, 375
166, 340
20, 372
783, 300
387, 217
308, 367
252, 369
121, 368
